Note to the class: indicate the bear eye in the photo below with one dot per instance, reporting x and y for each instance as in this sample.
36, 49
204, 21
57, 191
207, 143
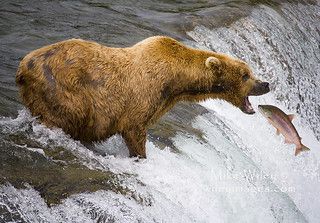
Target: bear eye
245, 77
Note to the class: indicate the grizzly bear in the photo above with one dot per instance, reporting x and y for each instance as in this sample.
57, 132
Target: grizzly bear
92, 91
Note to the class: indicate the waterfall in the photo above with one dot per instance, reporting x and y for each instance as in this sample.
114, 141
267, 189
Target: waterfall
282, 46
233, 169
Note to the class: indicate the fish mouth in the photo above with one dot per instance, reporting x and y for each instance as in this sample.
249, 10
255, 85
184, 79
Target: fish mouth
247, 107
260, 108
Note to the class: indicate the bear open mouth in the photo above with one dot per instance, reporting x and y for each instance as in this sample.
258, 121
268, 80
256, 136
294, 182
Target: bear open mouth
247, 107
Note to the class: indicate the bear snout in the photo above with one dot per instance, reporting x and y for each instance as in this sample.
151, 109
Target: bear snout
265, 85
260, 88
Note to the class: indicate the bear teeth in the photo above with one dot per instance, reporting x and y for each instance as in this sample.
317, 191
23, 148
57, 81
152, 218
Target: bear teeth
247, 106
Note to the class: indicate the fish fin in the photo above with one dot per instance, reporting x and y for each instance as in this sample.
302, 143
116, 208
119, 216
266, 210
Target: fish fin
302, 148
286, 141
291, 117
278, 132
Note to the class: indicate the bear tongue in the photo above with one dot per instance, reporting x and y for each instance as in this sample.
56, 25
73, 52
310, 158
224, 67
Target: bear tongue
247, 108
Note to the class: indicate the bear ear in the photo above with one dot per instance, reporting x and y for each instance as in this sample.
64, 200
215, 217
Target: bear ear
212, 61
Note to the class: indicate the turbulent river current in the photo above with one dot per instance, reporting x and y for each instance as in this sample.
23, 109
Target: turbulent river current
207, 162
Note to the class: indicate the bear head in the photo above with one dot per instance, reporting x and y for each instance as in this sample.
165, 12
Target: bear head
234, 81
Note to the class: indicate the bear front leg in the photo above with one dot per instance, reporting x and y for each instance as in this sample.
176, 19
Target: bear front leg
136, 142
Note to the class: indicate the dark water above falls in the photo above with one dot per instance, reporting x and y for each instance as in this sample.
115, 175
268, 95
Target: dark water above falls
206, 162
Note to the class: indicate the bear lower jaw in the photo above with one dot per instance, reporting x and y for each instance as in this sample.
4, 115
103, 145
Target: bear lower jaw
247, 107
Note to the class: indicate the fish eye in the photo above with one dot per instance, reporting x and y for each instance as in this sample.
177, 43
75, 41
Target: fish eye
245, 77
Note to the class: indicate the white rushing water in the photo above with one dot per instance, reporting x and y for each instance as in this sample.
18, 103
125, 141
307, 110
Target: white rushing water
283, 48
240, 171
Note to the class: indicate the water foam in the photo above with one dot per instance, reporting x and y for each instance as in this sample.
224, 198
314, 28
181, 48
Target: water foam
240, 171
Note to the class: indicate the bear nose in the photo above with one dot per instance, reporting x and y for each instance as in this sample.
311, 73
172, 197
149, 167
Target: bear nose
260, 88
265, 85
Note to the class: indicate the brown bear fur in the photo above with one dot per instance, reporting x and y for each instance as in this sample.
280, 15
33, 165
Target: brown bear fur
92, 91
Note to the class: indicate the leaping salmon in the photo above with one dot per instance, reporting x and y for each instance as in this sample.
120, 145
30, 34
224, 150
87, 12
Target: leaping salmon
283, 123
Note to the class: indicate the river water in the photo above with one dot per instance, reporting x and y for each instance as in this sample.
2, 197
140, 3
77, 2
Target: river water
207, 162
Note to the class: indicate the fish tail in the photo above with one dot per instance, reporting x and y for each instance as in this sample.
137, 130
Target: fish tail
300, 149
304, 148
